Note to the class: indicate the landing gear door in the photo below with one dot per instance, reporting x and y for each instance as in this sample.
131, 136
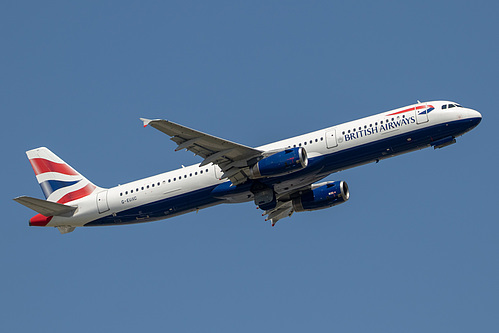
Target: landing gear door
421, 113
331, 141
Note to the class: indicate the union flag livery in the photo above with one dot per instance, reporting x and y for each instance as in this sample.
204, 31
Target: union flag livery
59, 182
281, 177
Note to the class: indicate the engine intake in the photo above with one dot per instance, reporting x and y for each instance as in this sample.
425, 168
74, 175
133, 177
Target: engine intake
322, 196
281, 163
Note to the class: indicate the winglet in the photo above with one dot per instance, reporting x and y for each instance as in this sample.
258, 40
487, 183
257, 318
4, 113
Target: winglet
145, 121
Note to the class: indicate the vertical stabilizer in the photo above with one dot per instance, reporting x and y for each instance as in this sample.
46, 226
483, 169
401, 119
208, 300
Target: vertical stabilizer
59, 181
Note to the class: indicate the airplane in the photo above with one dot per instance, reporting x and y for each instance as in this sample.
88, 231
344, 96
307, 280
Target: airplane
281, 177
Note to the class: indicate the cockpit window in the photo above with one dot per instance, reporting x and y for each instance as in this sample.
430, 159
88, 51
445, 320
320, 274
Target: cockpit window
448, 106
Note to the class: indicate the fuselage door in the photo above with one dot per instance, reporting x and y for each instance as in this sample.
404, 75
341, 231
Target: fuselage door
421, 113
331, 141
102, 205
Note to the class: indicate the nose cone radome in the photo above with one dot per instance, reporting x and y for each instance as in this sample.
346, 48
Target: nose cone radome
474, 117
477, 115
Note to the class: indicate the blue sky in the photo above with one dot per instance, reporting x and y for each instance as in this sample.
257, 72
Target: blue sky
414, 249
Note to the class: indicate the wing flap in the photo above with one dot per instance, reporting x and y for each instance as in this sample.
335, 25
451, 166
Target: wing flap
44, 207
282, 210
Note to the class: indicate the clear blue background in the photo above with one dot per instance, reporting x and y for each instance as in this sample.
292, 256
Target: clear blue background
414, 250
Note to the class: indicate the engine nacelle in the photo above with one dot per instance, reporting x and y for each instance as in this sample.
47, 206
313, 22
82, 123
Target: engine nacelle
322, 196
281, 163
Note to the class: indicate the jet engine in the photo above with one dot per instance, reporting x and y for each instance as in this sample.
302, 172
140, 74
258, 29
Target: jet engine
281, 163
322, 196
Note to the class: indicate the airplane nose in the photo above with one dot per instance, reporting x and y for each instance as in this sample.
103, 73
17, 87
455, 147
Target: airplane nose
474, 116
477, 114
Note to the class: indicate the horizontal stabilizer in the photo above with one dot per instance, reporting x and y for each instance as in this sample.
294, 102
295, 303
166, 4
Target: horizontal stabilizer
44, 207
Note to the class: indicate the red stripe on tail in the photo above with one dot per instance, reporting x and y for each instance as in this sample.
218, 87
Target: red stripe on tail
41, 165
78, 194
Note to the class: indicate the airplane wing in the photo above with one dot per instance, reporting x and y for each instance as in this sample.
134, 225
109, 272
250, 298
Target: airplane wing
233, 158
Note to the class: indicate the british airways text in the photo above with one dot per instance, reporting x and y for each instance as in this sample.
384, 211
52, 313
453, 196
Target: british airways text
381, 128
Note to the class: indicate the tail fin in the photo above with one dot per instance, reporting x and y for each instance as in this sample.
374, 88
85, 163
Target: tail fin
59, 182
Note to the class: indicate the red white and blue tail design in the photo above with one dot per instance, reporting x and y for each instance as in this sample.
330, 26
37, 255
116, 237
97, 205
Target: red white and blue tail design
59, 182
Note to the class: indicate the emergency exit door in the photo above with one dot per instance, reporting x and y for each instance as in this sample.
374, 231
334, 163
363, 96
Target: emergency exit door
422, 113
102, 205
331, 141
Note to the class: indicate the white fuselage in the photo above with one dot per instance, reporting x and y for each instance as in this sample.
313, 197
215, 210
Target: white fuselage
356, 142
